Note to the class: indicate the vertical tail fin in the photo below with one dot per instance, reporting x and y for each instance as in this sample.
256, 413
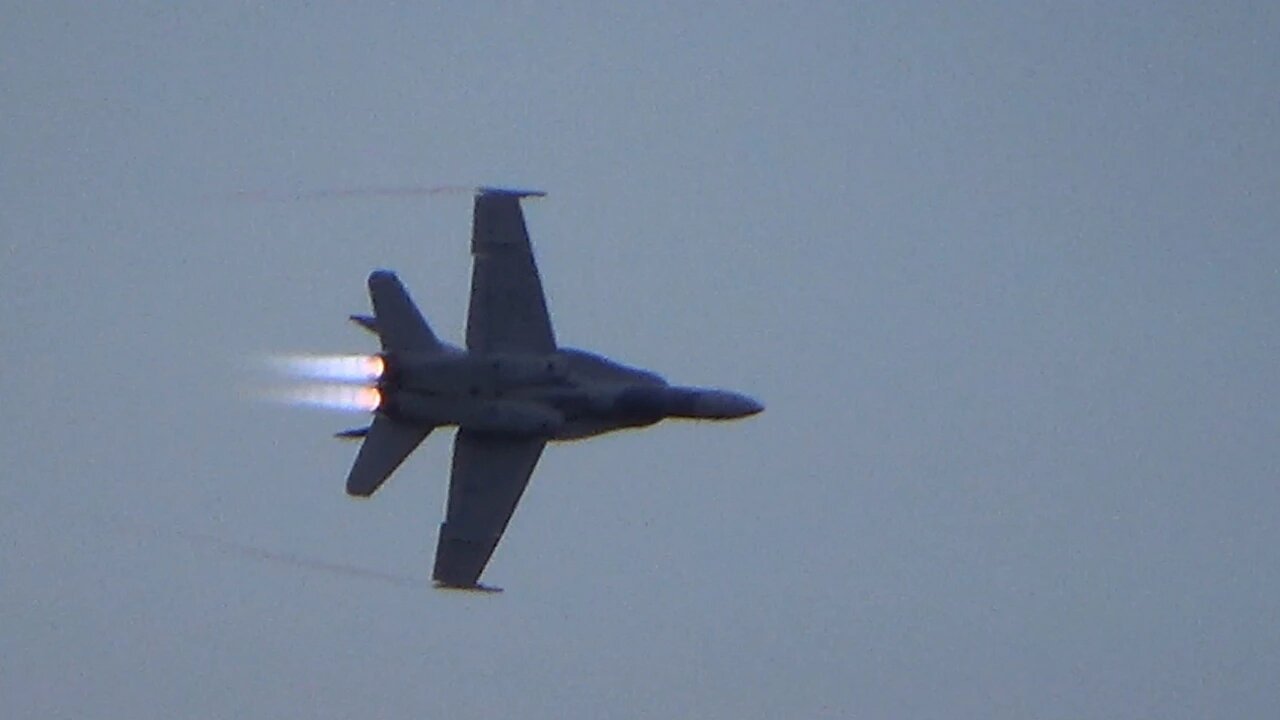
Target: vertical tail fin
397, 319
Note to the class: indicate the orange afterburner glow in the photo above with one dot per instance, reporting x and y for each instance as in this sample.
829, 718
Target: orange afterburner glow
332, 368
334, 397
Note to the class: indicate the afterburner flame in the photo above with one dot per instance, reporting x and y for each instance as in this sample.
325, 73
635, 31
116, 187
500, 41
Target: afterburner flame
334, 397
333, 368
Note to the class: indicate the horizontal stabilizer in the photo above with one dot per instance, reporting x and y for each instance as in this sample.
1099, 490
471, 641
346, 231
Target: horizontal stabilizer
352, 434
385, 447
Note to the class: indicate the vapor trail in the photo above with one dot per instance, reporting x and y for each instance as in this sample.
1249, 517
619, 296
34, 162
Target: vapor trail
389, 191
231, 547
260, 554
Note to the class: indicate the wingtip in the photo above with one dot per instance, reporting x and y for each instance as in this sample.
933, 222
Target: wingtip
476, 588
509, 192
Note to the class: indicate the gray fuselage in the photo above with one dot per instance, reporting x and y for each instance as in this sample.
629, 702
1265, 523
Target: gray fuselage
565, 395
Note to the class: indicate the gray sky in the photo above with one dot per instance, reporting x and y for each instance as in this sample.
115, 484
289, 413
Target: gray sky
1006, 276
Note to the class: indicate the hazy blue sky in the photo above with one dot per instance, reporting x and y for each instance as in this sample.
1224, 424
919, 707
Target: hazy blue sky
1006, 275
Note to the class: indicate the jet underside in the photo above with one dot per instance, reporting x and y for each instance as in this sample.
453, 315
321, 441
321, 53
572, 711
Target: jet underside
509, 392
567, 395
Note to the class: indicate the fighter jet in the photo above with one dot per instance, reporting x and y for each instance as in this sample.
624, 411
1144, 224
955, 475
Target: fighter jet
509, 392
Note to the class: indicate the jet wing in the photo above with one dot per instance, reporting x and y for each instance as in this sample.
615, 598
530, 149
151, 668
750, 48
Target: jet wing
489, 475
508, 311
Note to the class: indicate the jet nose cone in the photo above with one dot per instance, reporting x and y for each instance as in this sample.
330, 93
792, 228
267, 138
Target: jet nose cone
730, 405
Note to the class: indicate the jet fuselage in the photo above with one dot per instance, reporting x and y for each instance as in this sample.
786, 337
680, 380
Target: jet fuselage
566, 395
511, 391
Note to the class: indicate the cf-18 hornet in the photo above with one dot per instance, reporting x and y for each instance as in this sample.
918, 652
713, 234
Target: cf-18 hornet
509, 393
